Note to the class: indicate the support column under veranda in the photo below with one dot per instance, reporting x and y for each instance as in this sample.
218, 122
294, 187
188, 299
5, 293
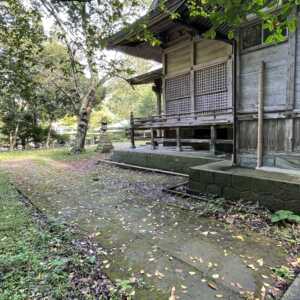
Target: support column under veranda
132, 140
153, 138
212, 146
178, 140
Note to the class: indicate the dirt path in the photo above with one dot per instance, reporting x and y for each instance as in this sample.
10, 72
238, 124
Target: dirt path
146, 238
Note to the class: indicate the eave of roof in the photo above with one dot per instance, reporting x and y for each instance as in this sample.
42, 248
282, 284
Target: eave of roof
152, 18
126, 40
146, 78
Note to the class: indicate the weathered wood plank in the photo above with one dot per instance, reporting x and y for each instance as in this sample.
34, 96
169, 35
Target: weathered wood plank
208, 50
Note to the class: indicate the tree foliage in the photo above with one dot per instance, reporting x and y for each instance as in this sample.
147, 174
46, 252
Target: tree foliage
83, 27
21, 36
275, 14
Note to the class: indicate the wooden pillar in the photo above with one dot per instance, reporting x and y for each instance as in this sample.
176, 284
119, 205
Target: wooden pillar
212, 139
260, 120
291, 85
157, 89
152, 139
132, 131
178, 140
289, 140
192, 77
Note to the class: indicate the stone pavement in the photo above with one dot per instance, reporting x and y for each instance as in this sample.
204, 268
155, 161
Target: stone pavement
145, 235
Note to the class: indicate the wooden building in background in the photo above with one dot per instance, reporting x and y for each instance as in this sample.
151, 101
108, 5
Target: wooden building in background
240, 97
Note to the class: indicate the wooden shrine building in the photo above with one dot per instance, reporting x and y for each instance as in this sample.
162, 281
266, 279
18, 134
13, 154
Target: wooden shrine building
240, 97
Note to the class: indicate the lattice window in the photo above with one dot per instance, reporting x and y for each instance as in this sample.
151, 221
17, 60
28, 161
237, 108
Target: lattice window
178, 106
257, 36
252, 36
212, 102
178, 87
178, 94
211, 88
211, 80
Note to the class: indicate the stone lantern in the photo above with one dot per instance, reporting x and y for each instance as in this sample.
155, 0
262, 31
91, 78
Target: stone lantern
104, 145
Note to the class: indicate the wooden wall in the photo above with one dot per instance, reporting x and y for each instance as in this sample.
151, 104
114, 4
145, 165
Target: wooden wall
208, 66
188, 53
276, 66
210, 50
178, 60
281, 137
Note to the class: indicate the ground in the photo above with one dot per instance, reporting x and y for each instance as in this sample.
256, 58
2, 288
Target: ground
149, 237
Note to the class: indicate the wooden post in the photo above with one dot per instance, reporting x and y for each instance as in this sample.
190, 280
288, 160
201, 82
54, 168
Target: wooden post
157, 89
178, 141
289, 140
213, 139
132, 131
192, 77
152, 139
260, 120
291, 85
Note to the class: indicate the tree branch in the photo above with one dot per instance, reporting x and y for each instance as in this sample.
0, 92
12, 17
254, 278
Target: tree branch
48, 6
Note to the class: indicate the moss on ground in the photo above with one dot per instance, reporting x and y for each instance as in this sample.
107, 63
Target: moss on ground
40, 259
40, 154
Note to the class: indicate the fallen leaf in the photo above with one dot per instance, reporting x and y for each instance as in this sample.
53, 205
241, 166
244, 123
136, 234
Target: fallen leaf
251, 267
260, 262
239, 237
212, 285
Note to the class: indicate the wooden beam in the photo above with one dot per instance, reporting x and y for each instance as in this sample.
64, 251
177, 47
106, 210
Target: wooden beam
291, 72
193, 141
212, 148
291, 87
289, 137
178, 141
157, 89
152, 139
164, 63
260, 121
192, 92
132, 131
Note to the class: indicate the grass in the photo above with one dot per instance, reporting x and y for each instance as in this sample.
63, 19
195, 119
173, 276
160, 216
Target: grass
61, 154
46, 154
28, 254
40, 260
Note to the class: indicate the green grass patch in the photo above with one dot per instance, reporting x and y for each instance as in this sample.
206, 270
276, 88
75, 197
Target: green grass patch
38, 259
46, 154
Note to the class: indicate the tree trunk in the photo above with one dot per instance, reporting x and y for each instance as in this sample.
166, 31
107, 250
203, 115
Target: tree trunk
23, 143
13, 136
83, 121
11, 143
49, 135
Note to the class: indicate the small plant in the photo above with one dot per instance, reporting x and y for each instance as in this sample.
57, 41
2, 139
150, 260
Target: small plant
126, 288
285, 215
284, 273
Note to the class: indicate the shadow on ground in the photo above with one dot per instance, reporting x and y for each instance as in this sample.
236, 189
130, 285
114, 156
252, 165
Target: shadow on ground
147, 237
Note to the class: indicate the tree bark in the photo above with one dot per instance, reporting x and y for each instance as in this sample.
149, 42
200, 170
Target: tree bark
83, 121
49, 135
11, 147
13, 136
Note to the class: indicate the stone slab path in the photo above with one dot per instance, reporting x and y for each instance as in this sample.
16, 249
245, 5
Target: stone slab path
145, 235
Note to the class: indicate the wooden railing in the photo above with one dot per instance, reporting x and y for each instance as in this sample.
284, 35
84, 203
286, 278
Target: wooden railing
156, 122
151, 120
